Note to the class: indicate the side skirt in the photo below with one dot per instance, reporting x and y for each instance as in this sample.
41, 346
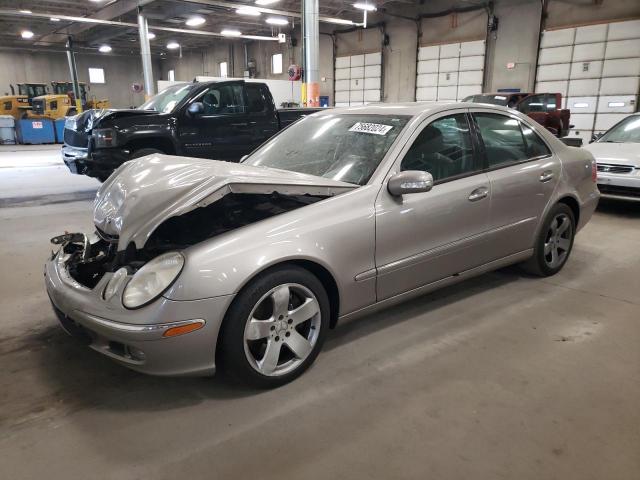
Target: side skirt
430, 287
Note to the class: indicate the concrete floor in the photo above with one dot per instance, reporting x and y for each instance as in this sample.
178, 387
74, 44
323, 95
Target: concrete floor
504, 376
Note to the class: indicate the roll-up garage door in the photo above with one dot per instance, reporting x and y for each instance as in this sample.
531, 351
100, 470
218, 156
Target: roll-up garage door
449, 72
358, 79
597, 70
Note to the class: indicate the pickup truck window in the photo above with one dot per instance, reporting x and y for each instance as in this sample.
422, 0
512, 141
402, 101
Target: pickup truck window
223, 99
166, 100
538, 103
344, 147
443, 149
256, 100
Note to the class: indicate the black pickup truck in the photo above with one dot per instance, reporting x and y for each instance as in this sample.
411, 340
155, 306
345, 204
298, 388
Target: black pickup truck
219, 120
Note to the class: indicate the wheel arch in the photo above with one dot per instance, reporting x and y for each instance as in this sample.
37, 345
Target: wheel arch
573, 204
160, 143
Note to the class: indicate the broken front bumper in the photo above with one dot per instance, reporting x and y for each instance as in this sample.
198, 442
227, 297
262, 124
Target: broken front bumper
134, 338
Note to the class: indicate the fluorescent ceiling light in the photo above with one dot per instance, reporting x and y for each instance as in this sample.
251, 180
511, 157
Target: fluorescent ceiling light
365, 6
266, 2
338, 21
248, 11
277, 21
195, 21
173, 45
54, 19
104, 48
151, 36
230, 33
26, 34
28, 12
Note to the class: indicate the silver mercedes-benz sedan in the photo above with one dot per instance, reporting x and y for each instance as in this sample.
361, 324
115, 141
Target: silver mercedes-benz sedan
197, 264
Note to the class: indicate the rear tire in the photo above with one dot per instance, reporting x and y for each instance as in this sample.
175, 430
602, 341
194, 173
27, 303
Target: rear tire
554, 243
275, 327
143, 152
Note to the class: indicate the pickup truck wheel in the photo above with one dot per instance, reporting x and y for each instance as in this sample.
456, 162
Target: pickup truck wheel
554, 243
143, 152
274, 328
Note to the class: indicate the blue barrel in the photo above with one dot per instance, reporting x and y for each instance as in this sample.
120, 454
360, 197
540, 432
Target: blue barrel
59, 123
324, 101
36, 131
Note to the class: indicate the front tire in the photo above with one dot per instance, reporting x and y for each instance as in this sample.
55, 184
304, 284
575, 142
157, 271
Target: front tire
554, 243
275, 327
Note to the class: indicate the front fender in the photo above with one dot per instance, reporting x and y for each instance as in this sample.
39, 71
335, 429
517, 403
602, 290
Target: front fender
337, 233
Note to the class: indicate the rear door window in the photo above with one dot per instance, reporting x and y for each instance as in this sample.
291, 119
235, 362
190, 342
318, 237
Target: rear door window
256, 99
503, 141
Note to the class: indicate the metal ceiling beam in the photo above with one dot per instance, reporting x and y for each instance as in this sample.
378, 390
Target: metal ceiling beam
114, 23
284, 13
108, 12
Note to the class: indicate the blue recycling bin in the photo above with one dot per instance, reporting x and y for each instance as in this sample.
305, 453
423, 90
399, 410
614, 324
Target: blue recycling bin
59, 124
324, 101
36, 131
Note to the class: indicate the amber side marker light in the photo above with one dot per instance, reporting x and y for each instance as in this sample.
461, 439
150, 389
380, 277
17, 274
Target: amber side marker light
182, 329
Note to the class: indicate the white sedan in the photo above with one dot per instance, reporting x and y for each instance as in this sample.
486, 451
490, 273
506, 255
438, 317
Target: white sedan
617, 154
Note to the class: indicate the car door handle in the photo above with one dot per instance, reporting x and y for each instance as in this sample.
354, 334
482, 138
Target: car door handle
479, 194
546, 176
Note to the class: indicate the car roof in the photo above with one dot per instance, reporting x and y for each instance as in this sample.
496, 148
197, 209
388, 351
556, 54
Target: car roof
409, 108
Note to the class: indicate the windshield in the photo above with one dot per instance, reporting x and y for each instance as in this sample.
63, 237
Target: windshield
32, 90
492, 99
166, 100
341, 147
628, 130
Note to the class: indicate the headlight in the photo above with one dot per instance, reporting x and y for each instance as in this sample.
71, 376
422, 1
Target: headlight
152, 279
104, 137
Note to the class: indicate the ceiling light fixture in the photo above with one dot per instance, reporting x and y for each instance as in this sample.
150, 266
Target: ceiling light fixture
104, 49
248, 11
365, 6
28, 12
266, 2
230, 33
26, 34
151, 35
54, 19
195, 21
173, 45
277, 21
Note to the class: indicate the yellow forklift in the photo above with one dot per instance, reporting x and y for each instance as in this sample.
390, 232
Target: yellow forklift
87, 102
18, 105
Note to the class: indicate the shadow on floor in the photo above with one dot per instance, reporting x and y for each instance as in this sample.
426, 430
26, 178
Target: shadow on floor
620, 208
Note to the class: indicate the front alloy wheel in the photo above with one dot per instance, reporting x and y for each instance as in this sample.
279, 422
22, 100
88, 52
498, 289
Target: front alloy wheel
282, 329
275, 327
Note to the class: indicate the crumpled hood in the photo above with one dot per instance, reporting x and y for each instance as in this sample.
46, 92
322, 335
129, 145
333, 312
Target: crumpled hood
615, 153
143, 193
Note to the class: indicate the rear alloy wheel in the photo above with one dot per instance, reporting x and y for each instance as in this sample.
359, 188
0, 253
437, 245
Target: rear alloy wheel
554, 242
275, 328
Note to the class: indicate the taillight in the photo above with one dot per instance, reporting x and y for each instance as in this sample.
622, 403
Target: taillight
594, 171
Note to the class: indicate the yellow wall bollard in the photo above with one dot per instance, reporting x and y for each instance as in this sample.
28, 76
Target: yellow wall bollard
303, 94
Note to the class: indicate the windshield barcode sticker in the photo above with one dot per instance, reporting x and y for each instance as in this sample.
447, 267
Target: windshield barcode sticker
375, 128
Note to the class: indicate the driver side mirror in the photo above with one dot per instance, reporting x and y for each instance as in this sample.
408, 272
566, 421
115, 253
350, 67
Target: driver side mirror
596, 136
196, 108
410, 181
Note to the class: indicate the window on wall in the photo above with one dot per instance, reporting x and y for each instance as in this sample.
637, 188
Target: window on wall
96, 75
276, 63
223, 69
171, 76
